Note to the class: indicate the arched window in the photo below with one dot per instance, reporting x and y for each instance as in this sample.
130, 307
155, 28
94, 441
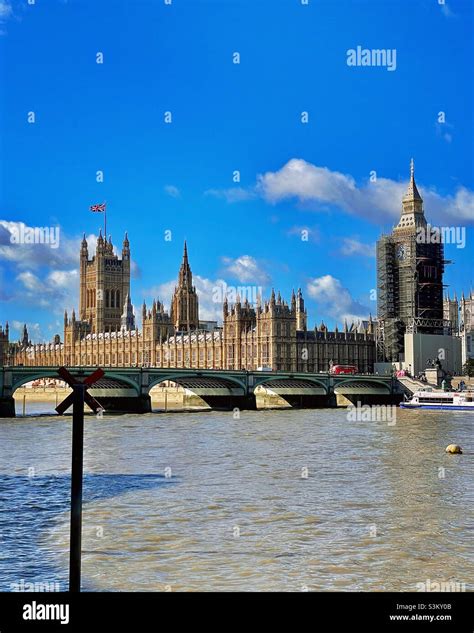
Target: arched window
107, 298
117, 299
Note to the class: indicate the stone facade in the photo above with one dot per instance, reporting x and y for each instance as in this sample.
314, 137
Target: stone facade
104, 284
461, 314
270, 334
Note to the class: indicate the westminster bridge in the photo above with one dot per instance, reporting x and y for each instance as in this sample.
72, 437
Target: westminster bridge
127, 389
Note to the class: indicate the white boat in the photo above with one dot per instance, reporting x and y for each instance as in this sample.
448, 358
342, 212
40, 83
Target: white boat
446, 400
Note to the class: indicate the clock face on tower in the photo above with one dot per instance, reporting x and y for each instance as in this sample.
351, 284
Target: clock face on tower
401, 251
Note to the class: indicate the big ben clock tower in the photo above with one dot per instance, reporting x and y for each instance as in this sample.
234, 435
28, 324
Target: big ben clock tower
410, 266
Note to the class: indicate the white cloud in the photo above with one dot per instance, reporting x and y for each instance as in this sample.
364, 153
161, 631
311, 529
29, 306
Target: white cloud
6, 10
173, 191
335, 300
62, 278
30, 281
234, 194
210, 309
34, 331
57, 291
379, 201
47, 277
353, 246
245, 269
36, 255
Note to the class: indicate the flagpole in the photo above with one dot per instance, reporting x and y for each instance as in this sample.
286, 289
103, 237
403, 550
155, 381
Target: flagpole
105, 219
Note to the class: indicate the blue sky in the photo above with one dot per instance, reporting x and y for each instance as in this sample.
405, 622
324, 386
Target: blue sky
229, 117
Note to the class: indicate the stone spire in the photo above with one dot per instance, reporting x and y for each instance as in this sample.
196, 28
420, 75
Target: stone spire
126, 247
101, 244
301, 315
412, 205
412, 191
128, 318
185, 279
25, 341
185, 303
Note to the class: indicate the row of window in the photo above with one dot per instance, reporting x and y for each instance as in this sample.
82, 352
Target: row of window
112, 298
282, 329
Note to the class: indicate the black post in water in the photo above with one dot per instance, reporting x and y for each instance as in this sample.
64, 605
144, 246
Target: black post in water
76, 487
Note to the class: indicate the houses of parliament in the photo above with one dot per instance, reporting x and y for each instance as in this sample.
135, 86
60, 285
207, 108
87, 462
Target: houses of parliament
271, 334
413, 320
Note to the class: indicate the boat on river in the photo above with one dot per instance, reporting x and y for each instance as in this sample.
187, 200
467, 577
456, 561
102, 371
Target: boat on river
446, 400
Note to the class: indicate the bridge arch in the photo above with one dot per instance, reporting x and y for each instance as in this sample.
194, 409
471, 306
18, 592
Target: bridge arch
25, 377
180, 377
360, 384
265, 380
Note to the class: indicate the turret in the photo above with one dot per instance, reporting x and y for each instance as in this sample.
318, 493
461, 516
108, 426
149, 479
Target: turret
4, 345
370, 327
84, 248
125, 243
301, 315
100, 243
25, 342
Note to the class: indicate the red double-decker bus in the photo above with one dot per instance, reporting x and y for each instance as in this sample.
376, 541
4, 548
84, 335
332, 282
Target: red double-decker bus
343, 369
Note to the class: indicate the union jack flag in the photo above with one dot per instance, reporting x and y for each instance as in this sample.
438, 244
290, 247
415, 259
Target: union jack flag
98, 208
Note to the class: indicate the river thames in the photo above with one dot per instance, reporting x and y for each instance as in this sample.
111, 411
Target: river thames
288, 500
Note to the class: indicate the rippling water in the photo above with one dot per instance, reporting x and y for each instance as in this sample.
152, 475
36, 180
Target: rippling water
382, 507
